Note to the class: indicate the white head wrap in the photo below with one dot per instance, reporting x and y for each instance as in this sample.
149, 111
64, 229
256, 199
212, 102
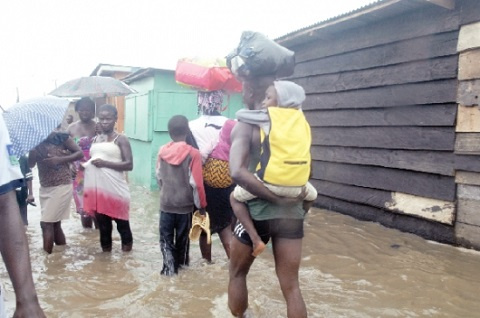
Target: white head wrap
289, 94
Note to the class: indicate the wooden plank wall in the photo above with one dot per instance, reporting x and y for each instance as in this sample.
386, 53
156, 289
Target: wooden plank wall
467, 145
382, 103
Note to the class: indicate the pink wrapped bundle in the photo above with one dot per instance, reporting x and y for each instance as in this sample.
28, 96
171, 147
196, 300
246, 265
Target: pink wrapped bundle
207, 75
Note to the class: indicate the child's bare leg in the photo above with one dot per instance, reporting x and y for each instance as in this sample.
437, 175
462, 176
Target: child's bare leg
307, 205
241, 212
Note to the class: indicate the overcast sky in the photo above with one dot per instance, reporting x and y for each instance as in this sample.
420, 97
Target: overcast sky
44, 43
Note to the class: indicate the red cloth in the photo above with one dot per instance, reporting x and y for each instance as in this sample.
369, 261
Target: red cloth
179, 174
209, 78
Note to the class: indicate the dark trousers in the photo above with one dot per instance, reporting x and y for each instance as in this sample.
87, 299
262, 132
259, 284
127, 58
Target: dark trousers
174, 241
105, 227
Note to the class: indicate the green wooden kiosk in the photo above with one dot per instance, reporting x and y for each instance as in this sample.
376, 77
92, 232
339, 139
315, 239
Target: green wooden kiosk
147, 113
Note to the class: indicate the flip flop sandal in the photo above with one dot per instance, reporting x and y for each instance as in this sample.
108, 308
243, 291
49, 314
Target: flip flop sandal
200, 223
196, 230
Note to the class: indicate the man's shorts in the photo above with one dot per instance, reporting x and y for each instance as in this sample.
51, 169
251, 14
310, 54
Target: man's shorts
276, 228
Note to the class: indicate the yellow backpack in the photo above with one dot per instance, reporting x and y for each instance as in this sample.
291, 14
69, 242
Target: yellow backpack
285, 156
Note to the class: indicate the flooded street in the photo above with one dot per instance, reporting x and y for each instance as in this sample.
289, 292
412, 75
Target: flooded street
349, 269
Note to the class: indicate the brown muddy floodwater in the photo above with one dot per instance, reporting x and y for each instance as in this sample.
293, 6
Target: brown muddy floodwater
349, 269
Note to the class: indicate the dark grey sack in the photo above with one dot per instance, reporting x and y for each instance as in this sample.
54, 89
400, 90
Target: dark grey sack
257, 55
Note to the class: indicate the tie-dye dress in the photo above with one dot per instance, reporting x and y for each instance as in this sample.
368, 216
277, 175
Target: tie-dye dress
106, 190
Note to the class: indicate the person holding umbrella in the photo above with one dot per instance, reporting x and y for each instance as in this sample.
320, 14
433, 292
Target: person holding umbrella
13, 240
82, 131
53, 156
87, 87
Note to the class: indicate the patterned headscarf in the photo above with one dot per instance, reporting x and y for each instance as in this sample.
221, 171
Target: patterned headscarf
209, 102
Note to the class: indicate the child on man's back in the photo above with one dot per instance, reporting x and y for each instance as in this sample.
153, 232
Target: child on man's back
285, 159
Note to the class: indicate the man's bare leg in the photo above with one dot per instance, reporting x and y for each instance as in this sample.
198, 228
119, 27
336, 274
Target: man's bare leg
240, 262
287, 254
307, 205
226, 237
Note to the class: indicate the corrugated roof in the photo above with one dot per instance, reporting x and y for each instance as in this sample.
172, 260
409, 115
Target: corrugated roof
373, 12
142, 73
111, 68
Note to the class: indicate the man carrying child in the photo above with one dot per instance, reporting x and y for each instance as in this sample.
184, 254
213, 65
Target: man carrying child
276, 218
285, 158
